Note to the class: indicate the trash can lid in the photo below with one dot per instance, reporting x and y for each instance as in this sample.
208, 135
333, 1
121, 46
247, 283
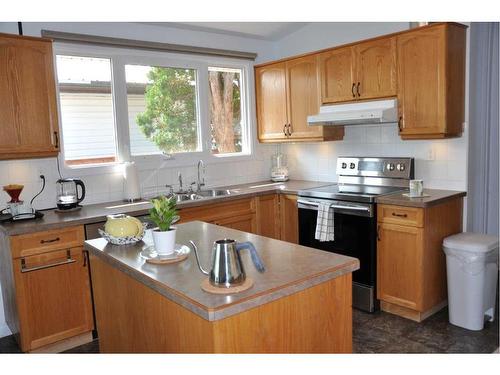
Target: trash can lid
473, 242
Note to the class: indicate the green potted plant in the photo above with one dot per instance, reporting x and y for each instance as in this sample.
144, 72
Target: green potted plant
163, 214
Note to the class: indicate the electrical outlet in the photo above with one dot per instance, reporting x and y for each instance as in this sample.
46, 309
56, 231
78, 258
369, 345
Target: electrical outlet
431, 154
43, 170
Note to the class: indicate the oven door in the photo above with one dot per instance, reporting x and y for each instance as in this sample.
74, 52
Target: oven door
355, 235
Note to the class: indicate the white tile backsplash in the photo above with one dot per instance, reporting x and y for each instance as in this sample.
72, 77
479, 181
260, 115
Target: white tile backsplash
440, 163
109, 187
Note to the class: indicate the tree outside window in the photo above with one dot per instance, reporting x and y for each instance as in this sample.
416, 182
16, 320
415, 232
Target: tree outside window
169, 119
225, 110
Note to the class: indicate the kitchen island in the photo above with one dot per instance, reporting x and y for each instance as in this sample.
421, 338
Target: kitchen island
301, 304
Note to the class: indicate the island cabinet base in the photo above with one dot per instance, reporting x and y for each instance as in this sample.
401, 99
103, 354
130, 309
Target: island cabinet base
132, 318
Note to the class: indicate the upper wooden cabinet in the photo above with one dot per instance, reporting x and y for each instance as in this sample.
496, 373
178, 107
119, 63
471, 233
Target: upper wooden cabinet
271, 101
376, 69
303, 97
28, 114
431, 81
423, 67
286, 93
337, 75
362, 71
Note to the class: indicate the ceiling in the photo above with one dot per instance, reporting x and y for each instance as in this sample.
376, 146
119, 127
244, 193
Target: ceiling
258, 30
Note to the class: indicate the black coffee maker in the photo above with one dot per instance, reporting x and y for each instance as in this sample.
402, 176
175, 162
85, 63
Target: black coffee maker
67, 193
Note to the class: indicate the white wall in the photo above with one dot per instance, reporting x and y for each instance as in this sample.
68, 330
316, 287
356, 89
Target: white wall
319, 35
441, 164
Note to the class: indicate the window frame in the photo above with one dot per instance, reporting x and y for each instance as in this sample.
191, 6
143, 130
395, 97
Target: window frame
121, 57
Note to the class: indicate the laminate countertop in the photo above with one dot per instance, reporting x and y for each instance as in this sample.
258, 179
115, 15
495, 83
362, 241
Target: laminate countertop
289, 268
432, 197
95, 213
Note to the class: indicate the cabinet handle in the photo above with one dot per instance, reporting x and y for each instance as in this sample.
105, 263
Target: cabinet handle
399, 215
284, 130
289, 130
67, 261
56, 136
399, 123
357, 88
85, 255
49, 241
378, 232
352, 90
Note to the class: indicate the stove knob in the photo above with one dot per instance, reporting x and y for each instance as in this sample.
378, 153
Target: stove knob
344, 165
401, 167
352, 166
390, 166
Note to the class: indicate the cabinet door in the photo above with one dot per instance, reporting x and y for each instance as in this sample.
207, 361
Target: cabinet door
28, 114
268, 216
303, 96
289, 216
337, 75
271, 99
53, 297
245, 223
376, 69
422, 81
399, 265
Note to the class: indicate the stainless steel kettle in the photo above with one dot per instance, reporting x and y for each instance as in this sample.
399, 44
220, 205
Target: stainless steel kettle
227, 269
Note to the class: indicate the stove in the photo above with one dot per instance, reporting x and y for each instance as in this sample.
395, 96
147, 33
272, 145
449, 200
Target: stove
360, 181
348, 192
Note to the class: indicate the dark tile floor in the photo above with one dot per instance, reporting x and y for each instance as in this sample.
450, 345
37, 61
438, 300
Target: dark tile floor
386, 333
383, 333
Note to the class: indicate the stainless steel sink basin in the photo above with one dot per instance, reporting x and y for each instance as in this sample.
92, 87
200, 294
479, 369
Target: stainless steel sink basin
203, 194
214, 193
188, 197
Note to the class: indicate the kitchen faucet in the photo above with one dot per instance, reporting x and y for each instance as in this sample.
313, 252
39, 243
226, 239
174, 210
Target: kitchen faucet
181, 190
200, 183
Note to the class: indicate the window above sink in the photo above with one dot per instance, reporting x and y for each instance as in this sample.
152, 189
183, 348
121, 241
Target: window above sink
126, 104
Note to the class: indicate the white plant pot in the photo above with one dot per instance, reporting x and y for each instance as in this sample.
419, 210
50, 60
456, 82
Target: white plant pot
164, 241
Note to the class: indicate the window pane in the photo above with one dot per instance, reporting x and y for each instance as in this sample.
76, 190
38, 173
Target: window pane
87, 116
162, 109
225, 110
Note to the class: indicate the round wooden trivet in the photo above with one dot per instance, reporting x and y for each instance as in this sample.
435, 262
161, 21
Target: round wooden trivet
168, 260
209, 288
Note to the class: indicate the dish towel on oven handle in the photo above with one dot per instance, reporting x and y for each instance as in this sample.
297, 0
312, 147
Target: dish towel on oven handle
325, 230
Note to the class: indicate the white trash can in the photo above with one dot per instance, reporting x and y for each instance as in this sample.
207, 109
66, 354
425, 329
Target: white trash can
472, 272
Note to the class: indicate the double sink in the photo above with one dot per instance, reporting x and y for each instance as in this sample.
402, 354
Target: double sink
203, 194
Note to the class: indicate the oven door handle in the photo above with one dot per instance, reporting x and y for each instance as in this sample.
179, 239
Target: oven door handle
354, 208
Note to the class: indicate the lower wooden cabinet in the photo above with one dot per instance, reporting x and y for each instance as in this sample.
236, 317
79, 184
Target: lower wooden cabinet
270, 215
46, 288
400, 264
237, 214
245, 223
411, 264
289, 218
53, 297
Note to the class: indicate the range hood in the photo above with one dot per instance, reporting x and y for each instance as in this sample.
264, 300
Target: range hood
360, 113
